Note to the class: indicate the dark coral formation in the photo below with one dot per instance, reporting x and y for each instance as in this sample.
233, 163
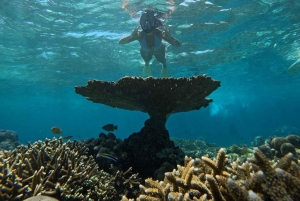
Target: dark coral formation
268, 152
53, 168
150, 151
282, 145
294, 140
8, 139
109, 144
206, 179
278, 146
156, 96
277, 142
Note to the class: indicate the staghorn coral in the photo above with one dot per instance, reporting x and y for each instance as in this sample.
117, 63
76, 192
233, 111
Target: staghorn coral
126, 183
203, 179
55, 169
219, 165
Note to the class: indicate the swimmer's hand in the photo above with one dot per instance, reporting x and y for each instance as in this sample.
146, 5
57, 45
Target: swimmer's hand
133, 36
166, 33
135, 32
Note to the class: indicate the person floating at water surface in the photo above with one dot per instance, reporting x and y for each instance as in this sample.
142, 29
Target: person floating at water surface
150, 39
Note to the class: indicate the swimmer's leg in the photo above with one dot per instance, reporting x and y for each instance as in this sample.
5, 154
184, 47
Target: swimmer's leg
147, 58
160, 55
164, 72
146, 71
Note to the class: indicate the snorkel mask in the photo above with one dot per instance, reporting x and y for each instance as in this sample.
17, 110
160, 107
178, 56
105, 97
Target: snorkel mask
148, 21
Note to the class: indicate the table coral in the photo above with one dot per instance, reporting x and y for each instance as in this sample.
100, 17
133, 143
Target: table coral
150, 151
159, 97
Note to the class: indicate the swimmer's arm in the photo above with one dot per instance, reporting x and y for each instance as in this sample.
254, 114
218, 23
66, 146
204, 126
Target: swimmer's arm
166, 35
127, 39
172, 40
132, 37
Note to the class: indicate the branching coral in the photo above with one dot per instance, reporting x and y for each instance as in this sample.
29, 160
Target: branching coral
52, 168
127, 183
205, 179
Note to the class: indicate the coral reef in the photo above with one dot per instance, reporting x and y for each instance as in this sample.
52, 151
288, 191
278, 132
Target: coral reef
256, 179
53, 168
8, 139
196, 148
150, 151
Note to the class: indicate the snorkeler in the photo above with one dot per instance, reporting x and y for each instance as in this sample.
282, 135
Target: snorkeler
150, 39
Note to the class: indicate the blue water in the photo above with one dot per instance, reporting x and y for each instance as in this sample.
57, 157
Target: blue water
48, 47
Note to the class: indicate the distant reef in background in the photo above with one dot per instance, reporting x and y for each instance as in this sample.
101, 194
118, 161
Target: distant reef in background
8, 139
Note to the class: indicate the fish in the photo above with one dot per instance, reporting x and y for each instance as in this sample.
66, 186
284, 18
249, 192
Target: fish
108, 156
110, 127
67, 137
56, 130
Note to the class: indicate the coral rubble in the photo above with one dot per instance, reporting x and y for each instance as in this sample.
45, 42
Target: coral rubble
53, 168
196, 148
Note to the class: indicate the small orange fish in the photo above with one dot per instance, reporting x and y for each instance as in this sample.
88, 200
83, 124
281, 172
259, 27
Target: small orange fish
56, 130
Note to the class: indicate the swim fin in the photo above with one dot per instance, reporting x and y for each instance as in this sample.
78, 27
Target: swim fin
146, 71
164, 72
